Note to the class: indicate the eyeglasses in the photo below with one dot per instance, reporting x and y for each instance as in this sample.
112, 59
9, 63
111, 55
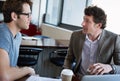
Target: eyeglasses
27, 14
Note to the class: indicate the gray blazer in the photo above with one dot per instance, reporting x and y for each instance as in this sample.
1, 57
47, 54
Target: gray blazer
109, 46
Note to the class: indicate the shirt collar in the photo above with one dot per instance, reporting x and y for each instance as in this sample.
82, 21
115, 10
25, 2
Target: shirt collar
87, 38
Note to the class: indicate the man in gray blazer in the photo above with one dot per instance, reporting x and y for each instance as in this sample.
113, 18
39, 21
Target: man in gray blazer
92, 48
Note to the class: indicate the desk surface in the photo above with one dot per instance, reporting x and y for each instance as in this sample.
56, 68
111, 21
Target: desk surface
44, 42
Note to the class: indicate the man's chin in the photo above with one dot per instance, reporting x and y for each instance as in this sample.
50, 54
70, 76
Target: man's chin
27, 27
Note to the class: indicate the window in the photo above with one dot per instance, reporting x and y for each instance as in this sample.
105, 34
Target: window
42, 11
73, 11
38, 10
53, 11
66, 13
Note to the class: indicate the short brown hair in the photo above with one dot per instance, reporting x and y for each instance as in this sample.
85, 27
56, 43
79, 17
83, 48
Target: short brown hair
98, 14
13, 6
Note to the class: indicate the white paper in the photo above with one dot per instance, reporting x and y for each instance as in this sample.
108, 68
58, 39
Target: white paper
37, 78
29, 38
31, 41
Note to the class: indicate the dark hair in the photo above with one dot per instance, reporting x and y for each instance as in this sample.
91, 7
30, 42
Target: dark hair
98, 14
13, 6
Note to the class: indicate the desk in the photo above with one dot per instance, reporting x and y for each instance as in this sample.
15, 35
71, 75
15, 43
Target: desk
43, 67
44, 42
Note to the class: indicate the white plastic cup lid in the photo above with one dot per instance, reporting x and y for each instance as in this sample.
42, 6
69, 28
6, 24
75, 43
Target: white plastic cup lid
67, 72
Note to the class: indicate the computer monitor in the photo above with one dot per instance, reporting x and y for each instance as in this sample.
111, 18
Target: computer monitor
112, 77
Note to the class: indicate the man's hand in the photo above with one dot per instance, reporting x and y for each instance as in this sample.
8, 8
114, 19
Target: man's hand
99, 69
3, 78
75, 78
30, 70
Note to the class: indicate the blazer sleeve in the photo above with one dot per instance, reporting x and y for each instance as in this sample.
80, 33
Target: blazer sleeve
70, 56
116, 56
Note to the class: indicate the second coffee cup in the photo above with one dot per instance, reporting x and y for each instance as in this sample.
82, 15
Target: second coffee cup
66, 75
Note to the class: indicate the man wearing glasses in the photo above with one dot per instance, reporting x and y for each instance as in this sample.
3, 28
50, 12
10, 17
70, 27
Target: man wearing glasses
17, 16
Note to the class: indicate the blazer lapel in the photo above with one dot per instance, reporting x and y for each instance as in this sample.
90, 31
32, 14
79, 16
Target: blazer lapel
81, 43
101, 44
81, 40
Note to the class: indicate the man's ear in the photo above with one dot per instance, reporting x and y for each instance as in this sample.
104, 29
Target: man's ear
99, 25
14, 16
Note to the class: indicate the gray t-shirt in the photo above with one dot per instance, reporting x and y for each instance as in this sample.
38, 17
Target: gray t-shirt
9, 43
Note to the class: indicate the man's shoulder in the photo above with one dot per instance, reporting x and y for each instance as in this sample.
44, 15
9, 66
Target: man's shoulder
77, 31
109, 33
4, 28
78, 34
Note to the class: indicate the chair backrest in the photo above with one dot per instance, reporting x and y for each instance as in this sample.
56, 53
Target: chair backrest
57, 57
28, 56
113, 77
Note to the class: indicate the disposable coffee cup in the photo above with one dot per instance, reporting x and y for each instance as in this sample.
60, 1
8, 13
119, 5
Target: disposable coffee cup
66, 75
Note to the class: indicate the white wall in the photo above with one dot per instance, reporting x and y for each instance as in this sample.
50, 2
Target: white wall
111, 8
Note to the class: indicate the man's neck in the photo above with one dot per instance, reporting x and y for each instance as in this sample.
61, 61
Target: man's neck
12, 27
94, 36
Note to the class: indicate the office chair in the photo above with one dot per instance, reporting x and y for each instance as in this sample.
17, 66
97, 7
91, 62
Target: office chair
28, 56
57, 57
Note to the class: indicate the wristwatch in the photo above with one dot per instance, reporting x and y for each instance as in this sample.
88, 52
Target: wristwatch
113, 69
